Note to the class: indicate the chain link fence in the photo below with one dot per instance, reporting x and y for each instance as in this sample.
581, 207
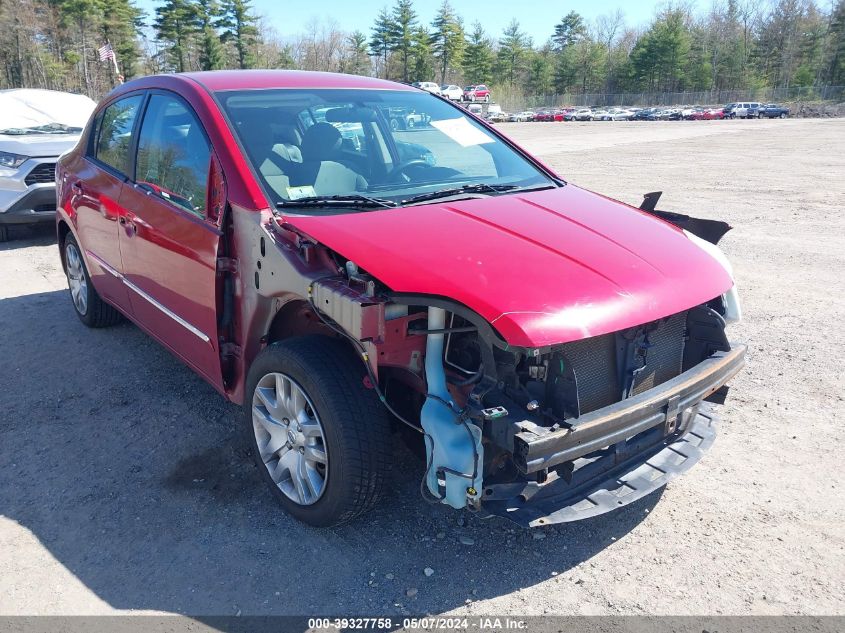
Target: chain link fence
515, 103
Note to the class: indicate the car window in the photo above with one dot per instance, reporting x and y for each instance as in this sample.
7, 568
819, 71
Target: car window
114, 136
392, 144
173, 154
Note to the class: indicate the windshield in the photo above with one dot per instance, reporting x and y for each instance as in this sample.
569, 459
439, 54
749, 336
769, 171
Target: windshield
376, 148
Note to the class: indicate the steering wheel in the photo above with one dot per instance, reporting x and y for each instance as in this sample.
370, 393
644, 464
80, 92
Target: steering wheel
399, 170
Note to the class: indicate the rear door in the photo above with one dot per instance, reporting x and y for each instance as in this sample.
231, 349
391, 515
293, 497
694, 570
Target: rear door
168, 242
95, 191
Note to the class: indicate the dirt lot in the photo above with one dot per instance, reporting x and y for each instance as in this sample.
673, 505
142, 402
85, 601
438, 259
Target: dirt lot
124, 485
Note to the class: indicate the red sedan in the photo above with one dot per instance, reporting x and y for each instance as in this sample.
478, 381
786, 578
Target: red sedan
544, 344
713, 113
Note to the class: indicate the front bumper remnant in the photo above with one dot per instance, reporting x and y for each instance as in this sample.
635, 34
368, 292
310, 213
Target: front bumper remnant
615, 455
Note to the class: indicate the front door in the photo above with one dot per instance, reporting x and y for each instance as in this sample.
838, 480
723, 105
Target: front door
169, 246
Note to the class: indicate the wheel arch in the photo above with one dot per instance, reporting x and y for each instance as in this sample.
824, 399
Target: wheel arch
62, 230
295, 317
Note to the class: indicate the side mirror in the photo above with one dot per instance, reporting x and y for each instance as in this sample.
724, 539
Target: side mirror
216, 203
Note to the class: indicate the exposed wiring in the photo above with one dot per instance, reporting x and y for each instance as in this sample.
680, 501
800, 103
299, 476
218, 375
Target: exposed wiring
364, 356
461, 415
471, 380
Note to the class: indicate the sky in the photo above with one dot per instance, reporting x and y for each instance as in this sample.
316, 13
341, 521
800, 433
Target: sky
290, 17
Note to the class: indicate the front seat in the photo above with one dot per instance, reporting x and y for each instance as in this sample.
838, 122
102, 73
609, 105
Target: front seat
257, 140
287, 143
320, 167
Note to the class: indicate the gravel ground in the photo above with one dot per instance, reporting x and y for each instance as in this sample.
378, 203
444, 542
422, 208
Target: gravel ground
124, 485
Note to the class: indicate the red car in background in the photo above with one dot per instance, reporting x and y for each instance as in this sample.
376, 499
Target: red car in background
714, 113
563, 114
477, 93
338, 277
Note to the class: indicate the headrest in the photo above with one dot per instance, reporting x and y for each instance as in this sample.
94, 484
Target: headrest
321, 142
287, 134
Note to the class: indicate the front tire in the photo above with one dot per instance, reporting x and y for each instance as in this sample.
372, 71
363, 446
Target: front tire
320, 437
89, 307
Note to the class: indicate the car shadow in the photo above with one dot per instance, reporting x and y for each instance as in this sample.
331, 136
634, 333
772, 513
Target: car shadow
130, 470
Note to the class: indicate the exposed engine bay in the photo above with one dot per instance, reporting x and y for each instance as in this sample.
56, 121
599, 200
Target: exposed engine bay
505, 427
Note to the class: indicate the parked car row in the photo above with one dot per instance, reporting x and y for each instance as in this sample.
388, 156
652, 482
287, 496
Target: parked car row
476, 92
744, 110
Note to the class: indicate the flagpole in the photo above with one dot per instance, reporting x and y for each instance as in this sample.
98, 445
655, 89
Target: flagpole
107, 52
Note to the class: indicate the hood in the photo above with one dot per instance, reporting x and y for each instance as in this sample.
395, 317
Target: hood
543, 268
38, 145
25, 107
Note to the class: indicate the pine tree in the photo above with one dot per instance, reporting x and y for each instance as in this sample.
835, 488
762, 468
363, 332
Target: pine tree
568, 31
835, 70
359, 61
423, 68
541, 72
447, 39
121, 25
513, 52
208, 15
240, 27
478, 57
402, 30
81, 14
380, 41
175, 25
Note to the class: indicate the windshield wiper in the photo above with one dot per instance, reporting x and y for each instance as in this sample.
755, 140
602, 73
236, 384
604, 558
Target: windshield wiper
356, 201
47, 128
477, 188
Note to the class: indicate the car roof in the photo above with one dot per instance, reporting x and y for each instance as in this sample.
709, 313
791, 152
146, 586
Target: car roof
215, 80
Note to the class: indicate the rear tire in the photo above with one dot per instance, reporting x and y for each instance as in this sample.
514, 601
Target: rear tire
355, 428
89, 307
782, 115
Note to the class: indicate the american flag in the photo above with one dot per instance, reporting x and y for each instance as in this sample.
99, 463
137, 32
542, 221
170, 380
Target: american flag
106, 52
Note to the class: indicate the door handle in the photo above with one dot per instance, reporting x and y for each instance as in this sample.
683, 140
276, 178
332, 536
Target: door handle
129, 225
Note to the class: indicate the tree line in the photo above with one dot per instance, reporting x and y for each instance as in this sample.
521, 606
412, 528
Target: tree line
732, 45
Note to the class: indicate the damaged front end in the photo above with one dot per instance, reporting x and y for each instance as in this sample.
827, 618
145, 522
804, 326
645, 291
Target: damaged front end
550, 434
571, 431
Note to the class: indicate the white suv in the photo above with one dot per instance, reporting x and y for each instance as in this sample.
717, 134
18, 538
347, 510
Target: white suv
36, 127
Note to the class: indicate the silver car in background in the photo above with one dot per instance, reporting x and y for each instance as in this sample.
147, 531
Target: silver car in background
36, 127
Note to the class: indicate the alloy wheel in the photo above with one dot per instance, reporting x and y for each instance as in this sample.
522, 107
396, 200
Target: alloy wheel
290, 438
76, 280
